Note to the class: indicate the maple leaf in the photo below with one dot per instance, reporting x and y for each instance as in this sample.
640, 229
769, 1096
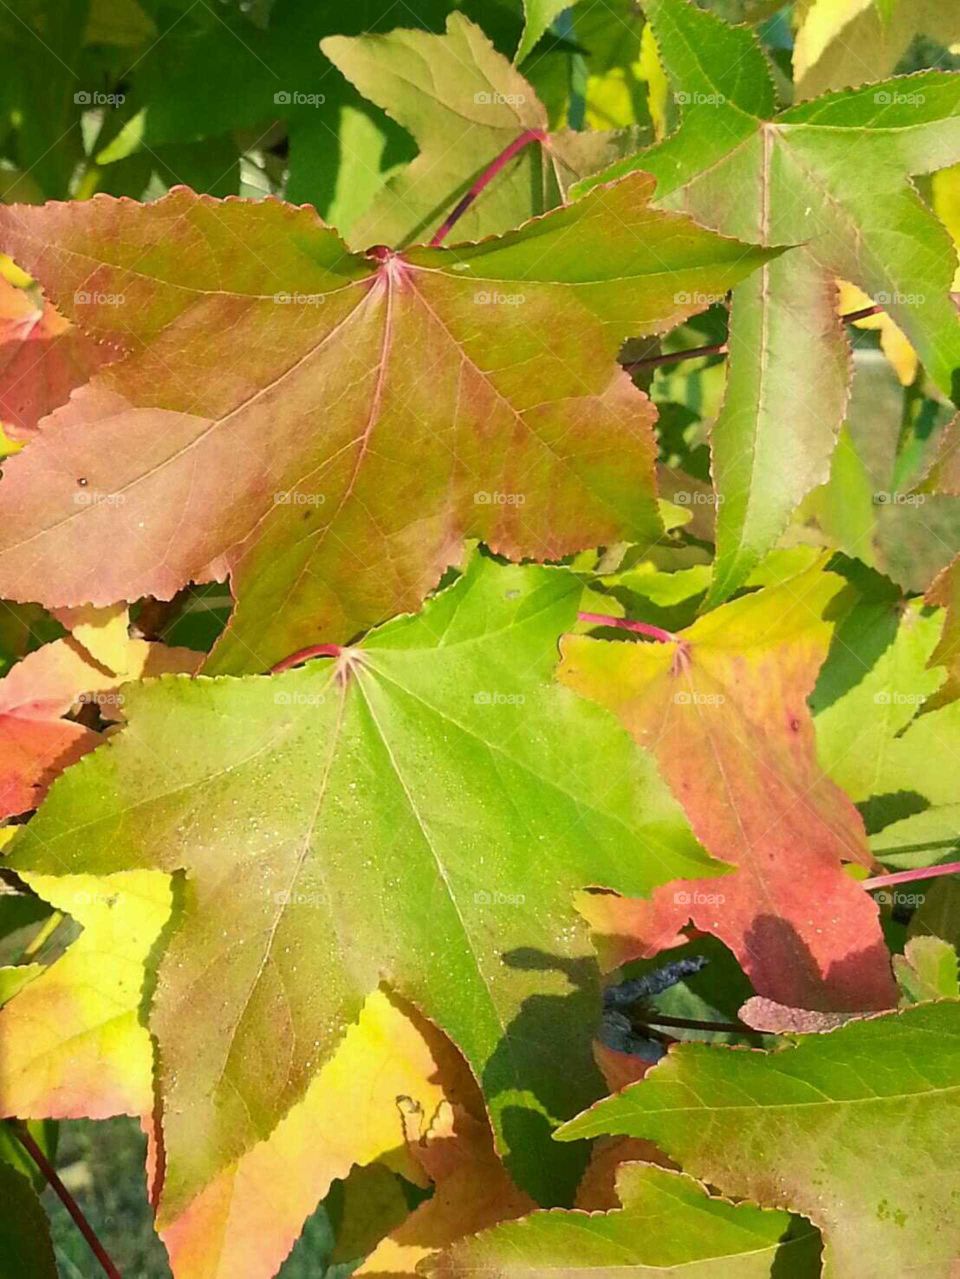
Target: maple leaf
833, 176
724, 711
417, 811
843, 42
328, 427
881, 673
808, 1127
945, 591
36, 741
472, 1189
944, 477
926, 970
539, 14
667, 1224
42, 358
387, 1094
74, 1045
465, 105
394, 1091
75, 1048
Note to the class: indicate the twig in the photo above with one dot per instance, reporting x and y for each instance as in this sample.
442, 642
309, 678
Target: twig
485, 178
907, 876
675, 357
722, 348
24, 1136
304, 655
641, 628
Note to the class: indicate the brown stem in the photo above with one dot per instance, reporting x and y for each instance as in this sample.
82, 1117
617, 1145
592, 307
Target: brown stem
675, 357
721, 348
24, 1136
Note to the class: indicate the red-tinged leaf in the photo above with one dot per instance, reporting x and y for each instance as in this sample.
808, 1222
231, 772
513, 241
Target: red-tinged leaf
472, 1188
42, 358
328, 427
724, 710
36, 742
388, 1094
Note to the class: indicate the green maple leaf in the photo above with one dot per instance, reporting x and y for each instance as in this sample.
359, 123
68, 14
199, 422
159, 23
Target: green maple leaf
464, 103
844, 42
329, 427
830, 175
419, 812
538, 14
857, 1129
872, 687
667, 1225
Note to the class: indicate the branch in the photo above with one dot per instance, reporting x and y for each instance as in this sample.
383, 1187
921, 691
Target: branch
25, 1138
675, 357
721, 348
641, 628
486, 177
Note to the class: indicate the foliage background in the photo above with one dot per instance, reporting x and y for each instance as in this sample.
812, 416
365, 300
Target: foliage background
130, 97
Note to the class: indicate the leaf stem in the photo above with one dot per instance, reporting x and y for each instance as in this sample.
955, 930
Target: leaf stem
641, 628
24, 1136
486, 177
721, 348
304, 655
907, 876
